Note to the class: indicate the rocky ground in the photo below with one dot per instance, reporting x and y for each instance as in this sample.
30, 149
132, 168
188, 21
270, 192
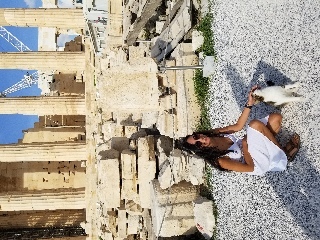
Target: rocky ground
257, 41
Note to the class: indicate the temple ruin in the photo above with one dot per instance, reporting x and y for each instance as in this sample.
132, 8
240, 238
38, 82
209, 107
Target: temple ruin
100, 158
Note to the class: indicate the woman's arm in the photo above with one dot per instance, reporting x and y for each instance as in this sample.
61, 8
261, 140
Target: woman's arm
248, 166
242, 119
229, 164
231, 128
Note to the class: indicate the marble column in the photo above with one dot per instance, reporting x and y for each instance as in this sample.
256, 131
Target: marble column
63, 18
43, 105
36, 152
52, 199
66, 62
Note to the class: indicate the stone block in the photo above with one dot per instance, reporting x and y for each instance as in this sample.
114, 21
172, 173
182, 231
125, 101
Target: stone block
102, 147
130, 131
122, 224
129, 190
169, 78
173, 170
148, 225
175, 28
112, 129
186, 101
167, 102
162, 158
179, 193
165, 175
131, 87
133, 224
112, 222
116, 57
128, 165
176, 201
146, 168
167, 124
197, 40
136, 52
181, 167
149, 119
146, 151
177, 227
144, 193
159, 26
109, 182
204, 218
209, 66
182, 210
196, 171
164, 148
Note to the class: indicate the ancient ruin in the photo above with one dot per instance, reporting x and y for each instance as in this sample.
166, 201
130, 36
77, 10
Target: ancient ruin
100, 161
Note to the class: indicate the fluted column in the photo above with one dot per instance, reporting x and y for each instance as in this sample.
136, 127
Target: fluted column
40, 219
63, 151
67, 62
64, 18
43, 105
43, 199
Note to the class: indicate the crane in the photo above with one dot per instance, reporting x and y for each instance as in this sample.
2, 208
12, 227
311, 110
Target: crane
29, 79
15, 42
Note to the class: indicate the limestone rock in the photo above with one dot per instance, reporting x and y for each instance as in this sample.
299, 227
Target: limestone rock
204, 218
197, 40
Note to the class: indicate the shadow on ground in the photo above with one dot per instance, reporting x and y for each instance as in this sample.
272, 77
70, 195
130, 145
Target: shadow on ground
299, 186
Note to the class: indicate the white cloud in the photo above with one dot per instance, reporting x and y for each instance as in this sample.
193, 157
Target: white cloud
30, 3
65, 4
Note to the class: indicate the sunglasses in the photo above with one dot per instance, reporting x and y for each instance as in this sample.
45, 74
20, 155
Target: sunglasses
196, 137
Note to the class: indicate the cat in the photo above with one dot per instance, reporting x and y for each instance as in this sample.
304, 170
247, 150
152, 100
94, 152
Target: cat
277, 95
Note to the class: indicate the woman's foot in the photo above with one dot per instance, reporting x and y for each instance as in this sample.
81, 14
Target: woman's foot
292, 147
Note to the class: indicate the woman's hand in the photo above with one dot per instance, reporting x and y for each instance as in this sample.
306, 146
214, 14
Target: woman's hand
251, 100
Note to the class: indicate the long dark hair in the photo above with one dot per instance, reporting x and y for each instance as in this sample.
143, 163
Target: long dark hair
209, 154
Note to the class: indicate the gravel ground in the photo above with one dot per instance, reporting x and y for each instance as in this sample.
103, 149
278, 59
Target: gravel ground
257, 41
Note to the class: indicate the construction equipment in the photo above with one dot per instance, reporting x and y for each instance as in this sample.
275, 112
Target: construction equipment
15, 42
29, 79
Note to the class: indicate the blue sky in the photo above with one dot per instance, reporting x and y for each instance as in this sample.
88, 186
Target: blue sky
12, 125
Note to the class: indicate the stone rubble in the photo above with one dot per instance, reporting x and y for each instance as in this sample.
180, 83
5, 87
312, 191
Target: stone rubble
133, 167
142, 110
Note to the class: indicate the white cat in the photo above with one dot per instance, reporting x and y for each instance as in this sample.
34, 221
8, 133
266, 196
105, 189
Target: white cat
277, 95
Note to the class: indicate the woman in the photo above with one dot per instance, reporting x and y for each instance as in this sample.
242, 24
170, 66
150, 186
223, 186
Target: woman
258, 152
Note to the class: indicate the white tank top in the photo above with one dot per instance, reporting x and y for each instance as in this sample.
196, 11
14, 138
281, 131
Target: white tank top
236, 147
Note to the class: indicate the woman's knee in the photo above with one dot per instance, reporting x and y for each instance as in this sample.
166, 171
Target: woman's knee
275, 117
256, 124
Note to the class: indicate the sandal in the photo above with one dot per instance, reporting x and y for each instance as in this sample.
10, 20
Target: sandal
292, 147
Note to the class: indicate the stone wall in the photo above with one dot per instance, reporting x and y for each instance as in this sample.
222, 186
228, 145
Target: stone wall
135, 144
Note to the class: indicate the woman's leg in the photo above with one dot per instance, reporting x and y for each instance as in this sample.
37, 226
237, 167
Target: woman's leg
274, 123
259, 126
